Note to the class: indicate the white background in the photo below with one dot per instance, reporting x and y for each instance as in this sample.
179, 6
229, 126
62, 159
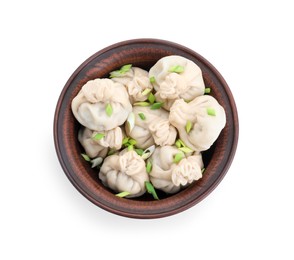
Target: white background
248, 216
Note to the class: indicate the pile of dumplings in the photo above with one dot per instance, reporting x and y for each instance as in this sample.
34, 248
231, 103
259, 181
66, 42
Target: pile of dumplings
145, 131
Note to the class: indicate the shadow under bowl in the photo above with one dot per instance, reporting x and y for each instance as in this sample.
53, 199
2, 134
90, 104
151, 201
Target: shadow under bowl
143, 53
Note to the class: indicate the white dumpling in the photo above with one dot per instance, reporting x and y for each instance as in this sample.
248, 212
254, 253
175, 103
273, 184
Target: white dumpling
170, 177
207, 119
90, 105
154, 129
124, 172
186, 83
136, 81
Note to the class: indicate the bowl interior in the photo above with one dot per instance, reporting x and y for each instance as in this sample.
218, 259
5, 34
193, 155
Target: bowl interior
142, 53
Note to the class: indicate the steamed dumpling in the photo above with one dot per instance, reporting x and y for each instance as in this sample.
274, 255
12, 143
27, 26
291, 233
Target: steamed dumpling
136, 81
176, 77
101, 105
207, 118
124, 172
154, 129
169, 176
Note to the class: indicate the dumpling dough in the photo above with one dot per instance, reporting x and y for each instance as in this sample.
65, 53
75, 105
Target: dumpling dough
89, 106
136, 80
169, 176
171, 86
205, 128
155, 129
125, 172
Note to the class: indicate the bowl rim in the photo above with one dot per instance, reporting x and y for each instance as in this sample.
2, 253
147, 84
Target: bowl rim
187, 205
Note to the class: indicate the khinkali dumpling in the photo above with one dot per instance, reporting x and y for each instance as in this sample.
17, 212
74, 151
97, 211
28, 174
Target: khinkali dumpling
124, 172
176, 77
169, 176
155, 128
137, 83
206, 116
101, 105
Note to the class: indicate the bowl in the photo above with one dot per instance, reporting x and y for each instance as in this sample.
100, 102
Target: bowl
142, 53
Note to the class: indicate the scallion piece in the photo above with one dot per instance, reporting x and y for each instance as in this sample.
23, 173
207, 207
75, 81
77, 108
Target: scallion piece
150, 189
152, 79
156, 105
203, 170
188, 126
211, 111
148, 167
108, 110
146, 91
181, 143
98, 136
132, 141
176, 69
142, 104
86, 157
97, 161
178, 144
151, 98
118, 73
207, 90
111, 152
178, 157
130, 147
125, 140
186, 149
142, 116
139, 151
123, 194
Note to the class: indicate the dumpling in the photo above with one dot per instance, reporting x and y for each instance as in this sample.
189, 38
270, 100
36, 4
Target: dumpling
206, 116
125, 172
155, 128
176, 77
137, 82
169, 176
101, 105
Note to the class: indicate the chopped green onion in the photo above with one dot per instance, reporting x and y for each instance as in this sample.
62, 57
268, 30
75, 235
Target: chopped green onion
121, 71
86, 157
187, 100
131, 121
210, 111
181, 143
111, 152
142, 104
152, 79
130, 147
142, 116
98, 136
186, 149
148, 152
148, 167
146, 91
151, 98
97, 161
176, 69
207, 90
188, 126
178, 144
139, 151
150, 189
203, 170
132, 141
156, 105
122, 194
178, 157
109, 110
125, 140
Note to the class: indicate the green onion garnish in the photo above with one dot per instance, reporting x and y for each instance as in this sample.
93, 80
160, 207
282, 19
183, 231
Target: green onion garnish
118, 73
98, 136
150, 189
186, 149
132, 141
139, 151
156, 105
176, 69
125, 140
109, 110
178, 157
86, 157
122, 194
111, 152
142, 116
203, 170
207, 90
130, 147
142, 104
152, 79
180, 143
146, 91
148, 167
151, 98
188, 126
210, 111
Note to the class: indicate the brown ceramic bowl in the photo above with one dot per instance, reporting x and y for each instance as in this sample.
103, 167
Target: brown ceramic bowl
142, 53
